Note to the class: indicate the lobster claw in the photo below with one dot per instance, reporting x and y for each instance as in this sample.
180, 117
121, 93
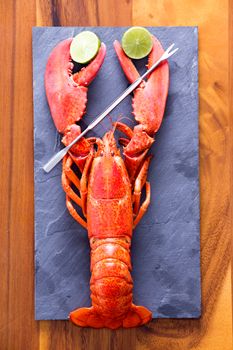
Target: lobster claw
149, 103
150, 97
67, 92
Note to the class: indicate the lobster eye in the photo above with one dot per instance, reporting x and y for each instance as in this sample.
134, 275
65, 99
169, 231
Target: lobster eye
112, 153
101, 153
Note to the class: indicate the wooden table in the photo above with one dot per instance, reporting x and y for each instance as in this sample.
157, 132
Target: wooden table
18, 330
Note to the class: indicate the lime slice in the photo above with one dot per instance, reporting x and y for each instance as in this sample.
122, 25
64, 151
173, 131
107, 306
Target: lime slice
137, 42
84, 47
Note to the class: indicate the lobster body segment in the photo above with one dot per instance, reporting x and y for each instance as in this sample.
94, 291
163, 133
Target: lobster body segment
109, 224
109, 203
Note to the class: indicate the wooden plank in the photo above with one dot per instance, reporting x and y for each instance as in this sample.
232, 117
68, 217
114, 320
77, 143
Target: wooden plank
215, 158
219, 334
20, 329
6, 96
83, 13
230, 56
114, 13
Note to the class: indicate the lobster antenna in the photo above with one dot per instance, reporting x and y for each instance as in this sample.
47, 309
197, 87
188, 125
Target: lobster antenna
118, 120
104, 127
110, 119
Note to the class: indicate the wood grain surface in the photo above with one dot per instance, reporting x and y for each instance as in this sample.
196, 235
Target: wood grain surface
18, 330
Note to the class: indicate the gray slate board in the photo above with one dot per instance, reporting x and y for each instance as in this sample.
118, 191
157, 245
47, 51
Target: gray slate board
165, 247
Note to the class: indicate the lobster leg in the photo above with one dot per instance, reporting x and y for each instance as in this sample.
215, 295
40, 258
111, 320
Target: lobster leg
67, 177
68, 190
83, 183
74, 213
139, 184
144, 205
68, 161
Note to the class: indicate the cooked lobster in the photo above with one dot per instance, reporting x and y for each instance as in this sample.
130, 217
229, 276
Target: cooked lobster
109, 189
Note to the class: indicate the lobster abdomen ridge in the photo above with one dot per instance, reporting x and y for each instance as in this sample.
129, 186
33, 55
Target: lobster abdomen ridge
111, 287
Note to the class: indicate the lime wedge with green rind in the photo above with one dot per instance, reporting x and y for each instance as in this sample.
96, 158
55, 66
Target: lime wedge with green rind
84, 47
137, 42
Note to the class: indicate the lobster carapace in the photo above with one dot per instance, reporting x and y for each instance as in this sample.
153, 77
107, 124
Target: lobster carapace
109, 188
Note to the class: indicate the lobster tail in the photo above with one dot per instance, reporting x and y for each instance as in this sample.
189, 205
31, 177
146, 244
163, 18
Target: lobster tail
111, 281
111, 287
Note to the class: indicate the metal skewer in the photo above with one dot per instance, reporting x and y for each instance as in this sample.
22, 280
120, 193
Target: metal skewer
58, 156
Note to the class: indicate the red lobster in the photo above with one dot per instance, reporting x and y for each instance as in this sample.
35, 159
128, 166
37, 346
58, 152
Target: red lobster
109, 190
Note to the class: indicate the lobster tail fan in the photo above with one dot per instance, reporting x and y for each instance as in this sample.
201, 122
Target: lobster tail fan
137, 316
88, 317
